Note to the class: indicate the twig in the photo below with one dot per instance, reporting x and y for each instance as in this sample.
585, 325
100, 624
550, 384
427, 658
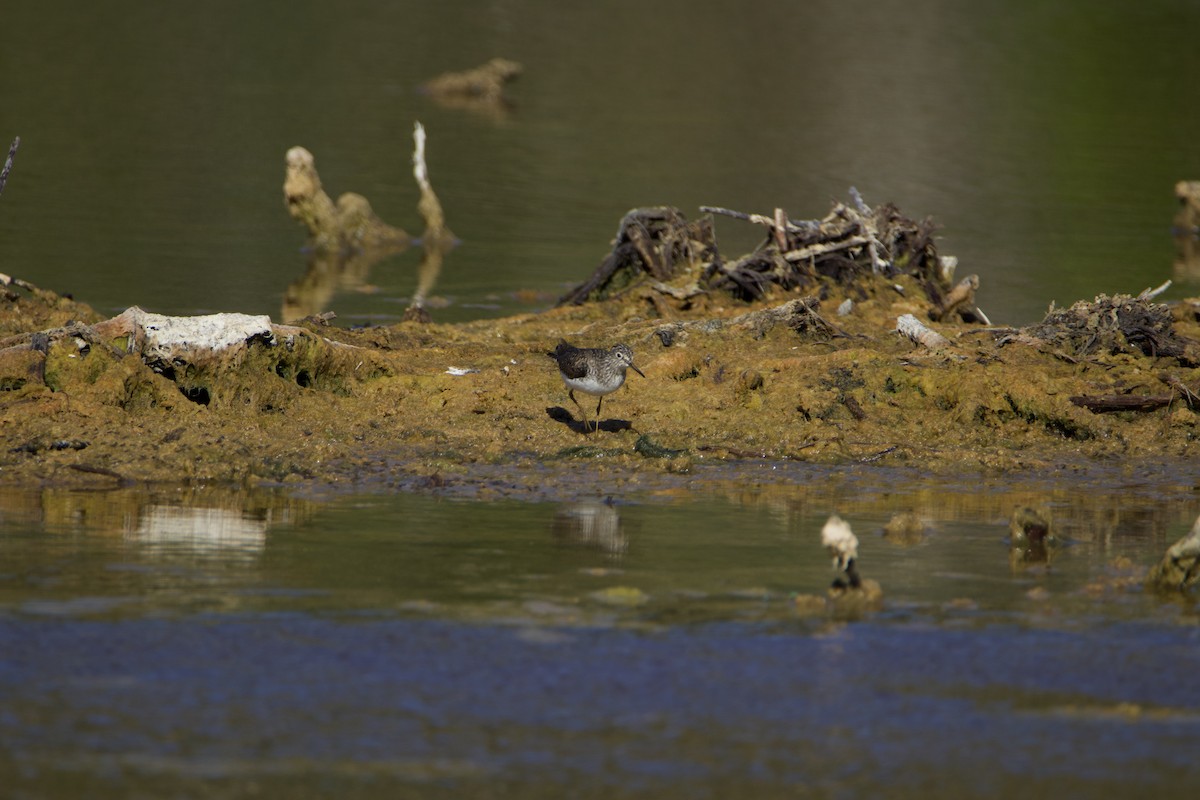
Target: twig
420, 171
805, 226
879, 455
868, 227
853, 407
1100, 404
8, 162
1150, 294
108, 473
678, 292
1187, 394
429, 206
822, 248
295, 330
781, 229
437, 238
758, 219
859, 203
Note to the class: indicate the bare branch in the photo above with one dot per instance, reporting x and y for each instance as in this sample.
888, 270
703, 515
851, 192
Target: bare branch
8, 162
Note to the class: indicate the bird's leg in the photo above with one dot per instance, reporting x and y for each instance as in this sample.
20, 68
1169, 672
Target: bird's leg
598, 404
582, 413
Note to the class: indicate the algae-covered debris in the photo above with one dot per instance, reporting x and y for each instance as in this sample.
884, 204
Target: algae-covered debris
347, 224
215, 359
485, 82
1116, 324
481, 90
1179, 568
27, 309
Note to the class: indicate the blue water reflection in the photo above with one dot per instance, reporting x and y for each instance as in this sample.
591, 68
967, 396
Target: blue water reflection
410, 645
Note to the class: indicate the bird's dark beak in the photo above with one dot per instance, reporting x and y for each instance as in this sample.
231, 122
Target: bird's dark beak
638, 371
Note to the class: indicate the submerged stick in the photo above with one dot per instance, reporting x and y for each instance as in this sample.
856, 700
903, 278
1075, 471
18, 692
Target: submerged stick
437, 238
429, 205
420, 171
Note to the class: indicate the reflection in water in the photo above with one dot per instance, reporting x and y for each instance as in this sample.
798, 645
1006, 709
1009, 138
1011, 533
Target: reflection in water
136, 551
331, 272
327, 273
906, 529
594, 524
1030, 537
434, 249
495, 110
1081, 512
214, 521
220, 532
1186, 230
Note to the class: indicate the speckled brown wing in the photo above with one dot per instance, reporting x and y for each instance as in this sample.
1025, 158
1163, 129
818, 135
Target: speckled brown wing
571, 360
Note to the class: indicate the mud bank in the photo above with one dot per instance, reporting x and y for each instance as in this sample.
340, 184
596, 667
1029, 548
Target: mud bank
804, 370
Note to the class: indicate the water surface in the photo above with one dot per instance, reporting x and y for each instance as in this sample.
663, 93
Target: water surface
241, 643
1045, 137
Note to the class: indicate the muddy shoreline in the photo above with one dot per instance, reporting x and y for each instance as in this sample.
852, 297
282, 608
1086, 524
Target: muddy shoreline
843, 341
384, 407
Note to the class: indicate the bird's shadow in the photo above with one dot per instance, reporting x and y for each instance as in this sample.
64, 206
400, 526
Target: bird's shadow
560, 414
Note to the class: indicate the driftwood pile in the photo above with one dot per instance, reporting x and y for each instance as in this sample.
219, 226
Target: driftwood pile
658, 244
849, 244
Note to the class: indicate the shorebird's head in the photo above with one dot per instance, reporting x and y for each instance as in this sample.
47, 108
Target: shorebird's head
561, 348
625, 357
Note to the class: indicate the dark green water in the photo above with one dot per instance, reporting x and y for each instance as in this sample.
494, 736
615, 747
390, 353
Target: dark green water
233, 644
1045, 137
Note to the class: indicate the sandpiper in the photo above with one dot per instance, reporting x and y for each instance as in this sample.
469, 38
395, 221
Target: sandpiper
594, 371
